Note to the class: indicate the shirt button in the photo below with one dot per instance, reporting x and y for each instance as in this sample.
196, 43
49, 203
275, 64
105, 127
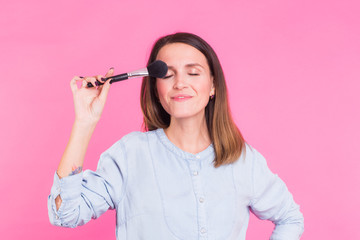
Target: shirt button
201, 200
203, 230
197, 156
195, 173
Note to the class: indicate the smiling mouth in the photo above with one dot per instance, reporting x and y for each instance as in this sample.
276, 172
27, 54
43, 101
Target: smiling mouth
181, 98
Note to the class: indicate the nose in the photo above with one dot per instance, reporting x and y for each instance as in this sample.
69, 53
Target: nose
179, 81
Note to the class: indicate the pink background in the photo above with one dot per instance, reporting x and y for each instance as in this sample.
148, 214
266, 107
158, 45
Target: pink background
293, 73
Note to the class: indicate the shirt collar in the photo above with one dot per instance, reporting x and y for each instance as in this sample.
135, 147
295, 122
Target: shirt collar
181, 153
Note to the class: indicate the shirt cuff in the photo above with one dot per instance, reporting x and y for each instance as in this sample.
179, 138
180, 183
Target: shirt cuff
288, 231
68, 187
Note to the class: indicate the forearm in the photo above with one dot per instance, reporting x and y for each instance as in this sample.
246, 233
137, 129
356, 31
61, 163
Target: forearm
75, 150
74, 154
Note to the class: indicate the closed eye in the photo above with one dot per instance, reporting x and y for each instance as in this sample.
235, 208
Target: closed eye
166, 77
194, 74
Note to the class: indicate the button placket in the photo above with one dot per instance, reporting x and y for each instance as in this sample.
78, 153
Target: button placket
199, 194
202, 219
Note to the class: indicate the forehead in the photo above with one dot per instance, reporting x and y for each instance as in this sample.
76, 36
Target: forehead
176, 54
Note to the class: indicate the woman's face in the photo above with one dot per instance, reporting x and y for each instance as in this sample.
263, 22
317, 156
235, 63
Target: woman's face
188, 84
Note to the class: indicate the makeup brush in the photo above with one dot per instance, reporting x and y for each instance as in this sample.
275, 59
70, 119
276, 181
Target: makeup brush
157, 69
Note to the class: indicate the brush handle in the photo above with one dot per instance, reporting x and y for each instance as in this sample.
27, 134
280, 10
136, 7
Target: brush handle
115, 78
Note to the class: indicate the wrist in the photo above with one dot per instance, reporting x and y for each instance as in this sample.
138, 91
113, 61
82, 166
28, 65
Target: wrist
86, 123
84, 127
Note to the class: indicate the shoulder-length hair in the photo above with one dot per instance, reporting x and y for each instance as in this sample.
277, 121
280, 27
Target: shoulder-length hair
225, 136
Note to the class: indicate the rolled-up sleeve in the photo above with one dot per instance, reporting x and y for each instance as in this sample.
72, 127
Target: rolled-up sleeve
272, 201
89, 194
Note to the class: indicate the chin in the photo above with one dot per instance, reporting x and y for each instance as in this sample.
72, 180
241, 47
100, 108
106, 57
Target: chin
186, 114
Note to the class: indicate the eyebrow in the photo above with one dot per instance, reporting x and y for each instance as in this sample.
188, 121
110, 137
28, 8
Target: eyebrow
188, 66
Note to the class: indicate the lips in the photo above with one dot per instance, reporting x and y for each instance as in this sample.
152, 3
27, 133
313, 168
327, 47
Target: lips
181, 97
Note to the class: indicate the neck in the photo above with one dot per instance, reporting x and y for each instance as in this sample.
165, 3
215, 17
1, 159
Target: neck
190, 135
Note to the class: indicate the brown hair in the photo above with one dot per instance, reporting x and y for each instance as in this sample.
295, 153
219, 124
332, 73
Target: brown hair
226, 138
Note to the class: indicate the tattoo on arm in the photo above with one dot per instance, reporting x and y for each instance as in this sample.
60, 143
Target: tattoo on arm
75, 170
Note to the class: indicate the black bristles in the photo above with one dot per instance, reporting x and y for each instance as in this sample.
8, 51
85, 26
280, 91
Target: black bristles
157, 69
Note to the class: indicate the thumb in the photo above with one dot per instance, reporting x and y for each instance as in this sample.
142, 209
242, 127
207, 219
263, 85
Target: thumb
73, 84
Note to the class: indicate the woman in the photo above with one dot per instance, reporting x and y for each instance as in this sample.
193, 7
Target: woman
190, 176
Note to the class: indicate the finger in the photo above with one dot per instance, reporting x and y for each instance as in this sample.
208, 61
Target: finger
92, 80
110, 72
104, 91
100, 78
84, 83
73, 84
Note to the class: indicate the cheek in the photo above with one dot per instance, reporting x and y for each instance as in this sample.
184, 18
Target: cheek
162, 90
204, 87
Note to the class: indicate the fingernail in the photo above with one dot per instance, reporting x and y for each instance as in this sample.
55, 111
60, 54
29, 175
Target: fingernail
103, 79
112, 68
97, 83
81, 77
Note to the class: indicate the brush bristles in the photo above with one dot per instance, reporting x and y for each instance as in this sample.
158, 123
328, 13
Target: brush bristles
157, 69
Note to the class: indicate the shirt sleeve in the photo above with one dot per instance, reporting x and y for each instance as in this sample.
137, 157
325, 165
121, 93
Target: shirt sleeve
272, 201
89, 194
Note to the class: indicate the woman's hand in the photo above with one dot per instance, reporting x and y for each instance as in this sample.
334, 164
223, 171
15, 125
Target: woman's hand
89, 102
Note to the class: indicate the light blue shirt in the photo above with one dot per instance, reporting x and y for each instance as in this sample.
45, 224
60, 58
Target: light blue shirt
162, 192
